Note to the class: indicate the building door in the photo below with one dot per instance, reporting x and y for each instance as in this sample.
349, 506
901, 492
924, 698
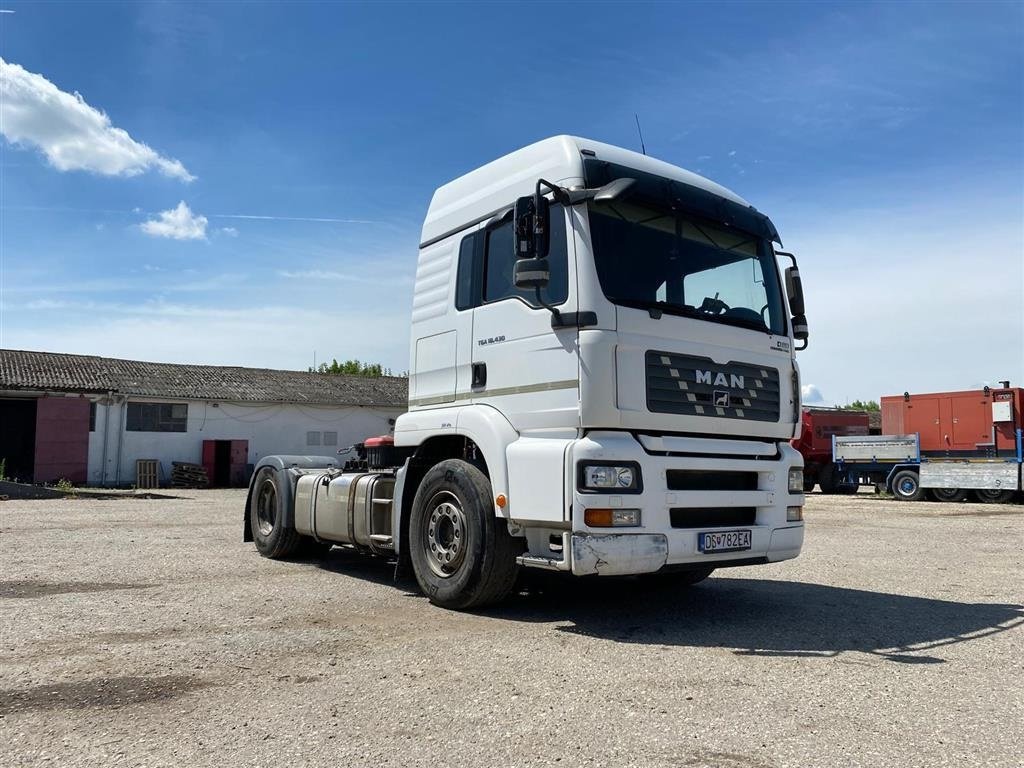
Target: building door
225, 462
62, 439
18, 439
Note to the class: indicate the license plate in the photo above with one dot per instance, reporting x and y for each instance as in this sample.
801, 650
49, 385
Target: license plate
723, 541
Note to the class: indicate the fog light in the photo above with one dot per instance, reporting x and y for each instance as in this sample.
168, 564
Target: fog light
796, 480
611, 518
794, 514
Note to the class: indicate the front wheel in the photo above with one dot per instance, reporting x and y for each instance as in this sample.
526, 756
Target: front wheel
906, 486
462, 554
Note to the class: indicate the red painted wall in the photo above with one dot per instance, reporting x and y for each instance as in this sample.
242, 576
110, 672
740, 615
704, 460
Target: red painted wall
62, 439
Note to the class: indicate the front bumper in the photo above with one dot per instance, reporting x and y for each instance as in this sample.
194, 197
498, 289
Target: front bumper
657, 543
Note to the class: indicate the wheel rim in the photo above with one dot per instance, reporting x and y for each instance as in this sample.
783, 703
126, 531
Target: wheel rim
906, 486
444, 534
266, 508
946, 494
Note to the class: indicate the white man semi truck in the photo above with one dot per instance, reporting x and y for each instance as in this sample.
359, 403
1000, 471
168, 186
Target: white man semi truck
602, 382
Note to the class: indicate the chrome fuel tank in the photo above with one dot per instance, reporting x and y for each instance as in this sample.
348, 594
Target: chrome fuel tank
350, 508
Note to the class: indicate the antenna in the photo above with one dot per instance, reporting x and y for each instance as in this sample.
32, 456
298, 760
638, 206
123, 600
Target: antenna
642, 147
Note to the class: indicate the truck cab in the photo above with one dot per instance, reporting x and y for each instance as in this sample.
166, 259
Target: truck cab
601, 360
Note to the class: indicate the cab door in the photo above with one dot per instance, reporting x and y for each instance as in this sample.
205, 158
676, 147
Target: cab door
520, 364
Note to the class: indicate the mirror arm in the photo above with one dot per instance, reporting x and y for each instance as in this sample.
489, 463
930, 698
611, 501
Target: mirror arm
560, 194
556, 316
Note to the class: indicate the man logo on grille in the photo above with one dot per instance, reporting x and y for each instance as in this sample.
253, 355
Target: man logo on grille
721, 398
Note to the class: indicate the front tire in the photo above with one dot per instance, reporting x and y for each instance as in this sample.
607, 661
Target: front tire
462, 554
273, 538
906, 486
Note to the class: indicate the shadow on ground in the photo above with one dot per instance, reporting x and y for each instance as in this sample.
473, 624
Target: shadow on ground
761, 617
755, 617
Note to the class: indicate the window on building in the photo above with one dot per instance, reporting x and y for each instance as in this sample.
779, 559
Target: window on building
157, 417
312, 438
92, 417
330, 438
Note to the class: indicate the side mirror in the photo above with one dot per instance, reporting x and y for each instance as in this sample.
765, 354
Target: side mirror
613, 189
532, 225
531, 273
795, 291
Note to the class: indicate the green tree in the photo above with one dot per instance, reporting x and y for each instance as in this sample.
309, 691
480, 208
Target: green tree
352, 368
860, 405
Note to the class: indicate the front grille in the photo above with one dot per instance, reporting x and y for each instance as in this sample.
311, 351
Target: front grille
711, 517
696, 480
696, 386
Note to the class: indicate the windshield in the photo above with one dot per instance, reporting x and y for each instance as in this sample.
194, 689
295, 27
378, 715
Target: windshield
655, 258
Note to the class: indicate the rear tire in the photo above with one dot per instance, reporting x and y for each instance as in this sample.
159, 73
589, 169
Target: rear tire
462, 554
993, 497
906, 486
273, 538
949, 495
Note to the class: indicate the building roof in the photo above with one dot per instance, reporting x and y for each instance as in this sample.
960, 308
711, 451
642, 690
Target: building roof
55, 372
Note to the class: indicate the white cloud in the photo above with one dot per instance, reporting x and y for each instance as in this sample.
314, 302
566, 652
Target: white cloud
73, 135
177, 223
229, 231
811, 395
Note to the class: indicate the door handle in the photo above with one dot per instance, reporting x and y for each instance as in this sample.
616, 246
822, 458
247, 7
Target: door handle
479, 375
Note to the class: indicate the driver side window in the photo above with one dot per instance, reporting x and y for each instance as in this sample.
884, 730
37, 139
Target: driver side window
499, 261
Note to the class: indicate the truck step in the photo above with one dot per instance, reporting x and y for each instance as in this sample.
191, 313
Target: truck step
382, 541
549, 563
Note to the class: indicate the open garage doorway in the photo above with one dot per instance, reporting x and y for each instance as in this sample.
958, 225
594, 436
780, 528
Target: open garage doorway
18, 439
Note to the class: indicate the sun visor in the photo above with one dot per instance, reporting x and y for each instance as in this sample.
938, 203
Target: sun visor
693, 199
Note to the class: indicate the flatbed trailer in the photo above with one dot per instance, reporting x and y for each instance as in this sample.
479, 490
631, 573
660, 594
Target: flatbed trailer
897, 464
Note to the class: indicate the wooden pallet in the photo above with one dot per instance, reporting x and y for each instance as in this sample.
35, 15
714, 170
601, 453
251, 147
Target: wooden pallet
147, 473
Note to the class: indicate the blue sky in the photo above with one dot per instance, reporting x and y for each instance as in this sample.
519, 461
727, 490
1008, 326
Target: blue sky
885, 140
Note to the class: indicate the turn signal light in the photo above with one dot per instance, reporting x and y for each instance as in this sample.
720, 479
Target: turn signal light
794, 514
611, 518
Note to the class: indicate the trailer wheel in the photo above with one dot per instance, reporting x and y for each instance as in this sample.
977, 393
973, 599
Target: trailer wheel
273, 538
906, 486
463, 556
954, 495
988, 496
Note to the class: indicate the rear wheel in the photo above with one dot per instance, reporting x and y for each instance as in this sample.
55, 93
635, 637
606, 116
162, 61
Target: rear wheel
949, 494
986, 496
906, 486
272, 536
463, 556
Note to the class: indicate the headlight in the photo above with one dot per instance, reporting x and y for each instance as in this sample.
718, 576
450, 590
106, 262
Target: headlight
619, 477
796, 480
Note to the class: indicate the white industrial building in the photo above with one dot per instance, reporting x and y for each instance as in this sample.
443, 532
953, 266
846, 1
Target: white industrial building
89, 419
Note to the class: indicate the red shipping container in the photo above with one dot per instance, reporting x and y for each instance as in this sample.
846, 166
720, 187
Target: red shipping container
961, 422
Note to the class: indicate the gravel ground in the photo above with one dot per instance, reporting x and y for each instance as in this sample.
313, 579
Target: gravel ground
144, 632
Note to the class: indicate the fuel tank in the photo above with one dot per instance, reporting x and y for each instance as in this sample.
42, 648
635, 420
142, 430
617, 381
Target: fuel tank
347, 508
